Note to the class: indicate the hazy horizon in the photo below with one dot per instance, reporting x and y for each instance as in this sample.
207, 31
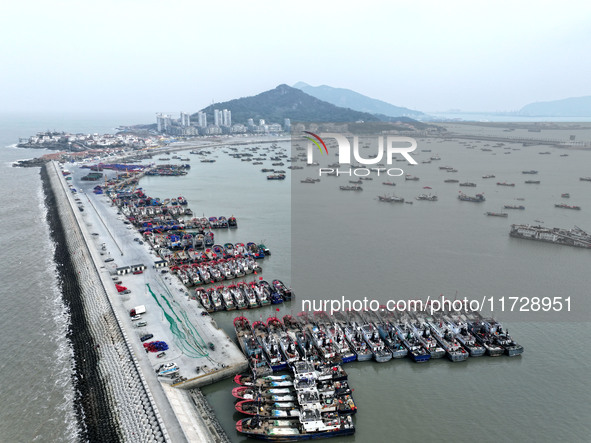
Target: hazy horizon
153, 56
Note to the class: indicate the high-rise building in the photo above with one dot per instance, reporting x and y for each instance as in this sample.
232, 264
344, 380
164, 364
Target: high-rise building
217, 117
201, 119
185, 119
163, 122
226, 118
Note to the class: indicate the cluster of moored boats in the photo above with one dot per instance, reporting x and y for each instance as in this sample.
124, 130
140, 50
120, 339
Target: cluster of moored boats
179, 250
315, 400
243, 295
312, 402
378, 335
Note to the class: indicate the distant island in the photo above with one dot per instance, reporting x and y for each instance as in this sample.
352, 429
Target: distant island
568, 107
354, 100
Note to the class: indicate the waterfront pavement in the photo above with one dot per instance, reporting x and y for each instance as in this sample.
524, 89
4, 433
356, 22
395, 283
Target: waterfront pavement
171, 316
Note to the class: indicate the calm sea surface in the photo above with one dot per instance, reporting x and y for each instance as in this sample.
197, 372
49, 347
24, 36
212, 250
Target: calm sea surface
346, 244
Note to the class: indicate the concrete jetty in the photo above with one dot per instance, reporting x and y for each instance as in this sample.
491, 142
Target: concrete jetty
140, 405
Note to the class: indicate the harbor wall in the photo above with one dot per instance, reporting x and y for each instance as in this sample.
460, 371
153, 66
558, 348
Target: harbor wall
113, 401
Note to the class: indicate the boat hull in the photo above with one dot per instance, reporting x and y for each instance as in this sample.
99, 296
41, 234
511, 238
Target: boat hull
295, 437
458, 356
514, 351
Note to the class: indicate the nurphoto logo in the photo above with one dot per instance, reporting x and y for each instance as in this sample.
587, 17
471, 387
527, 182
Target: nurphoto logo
394, 145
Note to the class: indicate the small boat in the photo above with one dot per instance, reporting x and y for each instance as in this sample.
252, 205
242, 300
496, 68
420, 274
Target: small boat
565, 195
532, 182
468, 184
390, 199
411, 177
497, 214
477, 198
505, 184
529, 172
451, 180
283, 290
350, 188
563, 206
427, 197
488, 176
389, 183
276, 177
514, 207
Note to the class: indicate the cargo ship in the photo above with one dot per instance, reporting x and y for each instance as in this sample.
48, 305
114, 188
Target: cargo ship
568, 237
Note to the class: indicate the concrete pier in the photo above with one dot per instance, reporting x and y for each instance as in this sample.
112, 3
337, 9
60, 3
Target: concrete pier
144, 407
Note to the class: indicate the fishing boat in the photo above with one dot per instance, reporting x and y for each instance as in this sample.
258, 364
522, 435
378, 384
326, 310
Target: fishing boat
563, 206
270, 345
389, 334
311, 424
389, 183
203, 297
488, 176
251, 347
354, 336
267, 381
276, 297
481, 331
416, 350
427, 197
497, 214
423, 332
529, 172
461, 330
350, 188
411, 177
238, 296
232, 223
379, 350
468, 184
565, 195
227, 299
447, 339
451, 180
390, 199
284, 291
276, 177
216, 299
505, 184
262, 408
468, 198
532, 182
263, 248
337, 336
286, 343
264, 394
514, 207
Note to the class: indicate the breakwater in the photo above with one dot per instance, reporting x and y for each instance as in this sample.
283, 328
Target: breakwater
113, 402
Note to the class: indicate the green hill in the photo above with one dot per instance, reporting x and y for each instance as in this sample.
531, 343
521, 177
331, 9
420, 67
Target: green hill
286, 102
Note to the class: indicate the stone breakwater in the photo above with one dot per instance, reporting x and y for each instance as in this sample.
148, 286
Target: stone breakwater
113, 402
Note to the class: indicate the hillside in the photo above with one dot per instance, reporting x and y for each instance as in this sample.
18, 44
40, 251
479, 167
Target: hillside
286, 102
568, 107
353, 100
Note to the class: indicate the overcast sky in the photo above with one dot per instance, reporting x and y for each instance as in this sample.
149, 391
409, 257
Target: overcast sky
173, 55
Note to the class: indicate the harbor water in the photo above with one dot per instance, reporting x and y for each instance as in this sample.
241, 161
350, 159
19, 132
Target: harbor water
346, 244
